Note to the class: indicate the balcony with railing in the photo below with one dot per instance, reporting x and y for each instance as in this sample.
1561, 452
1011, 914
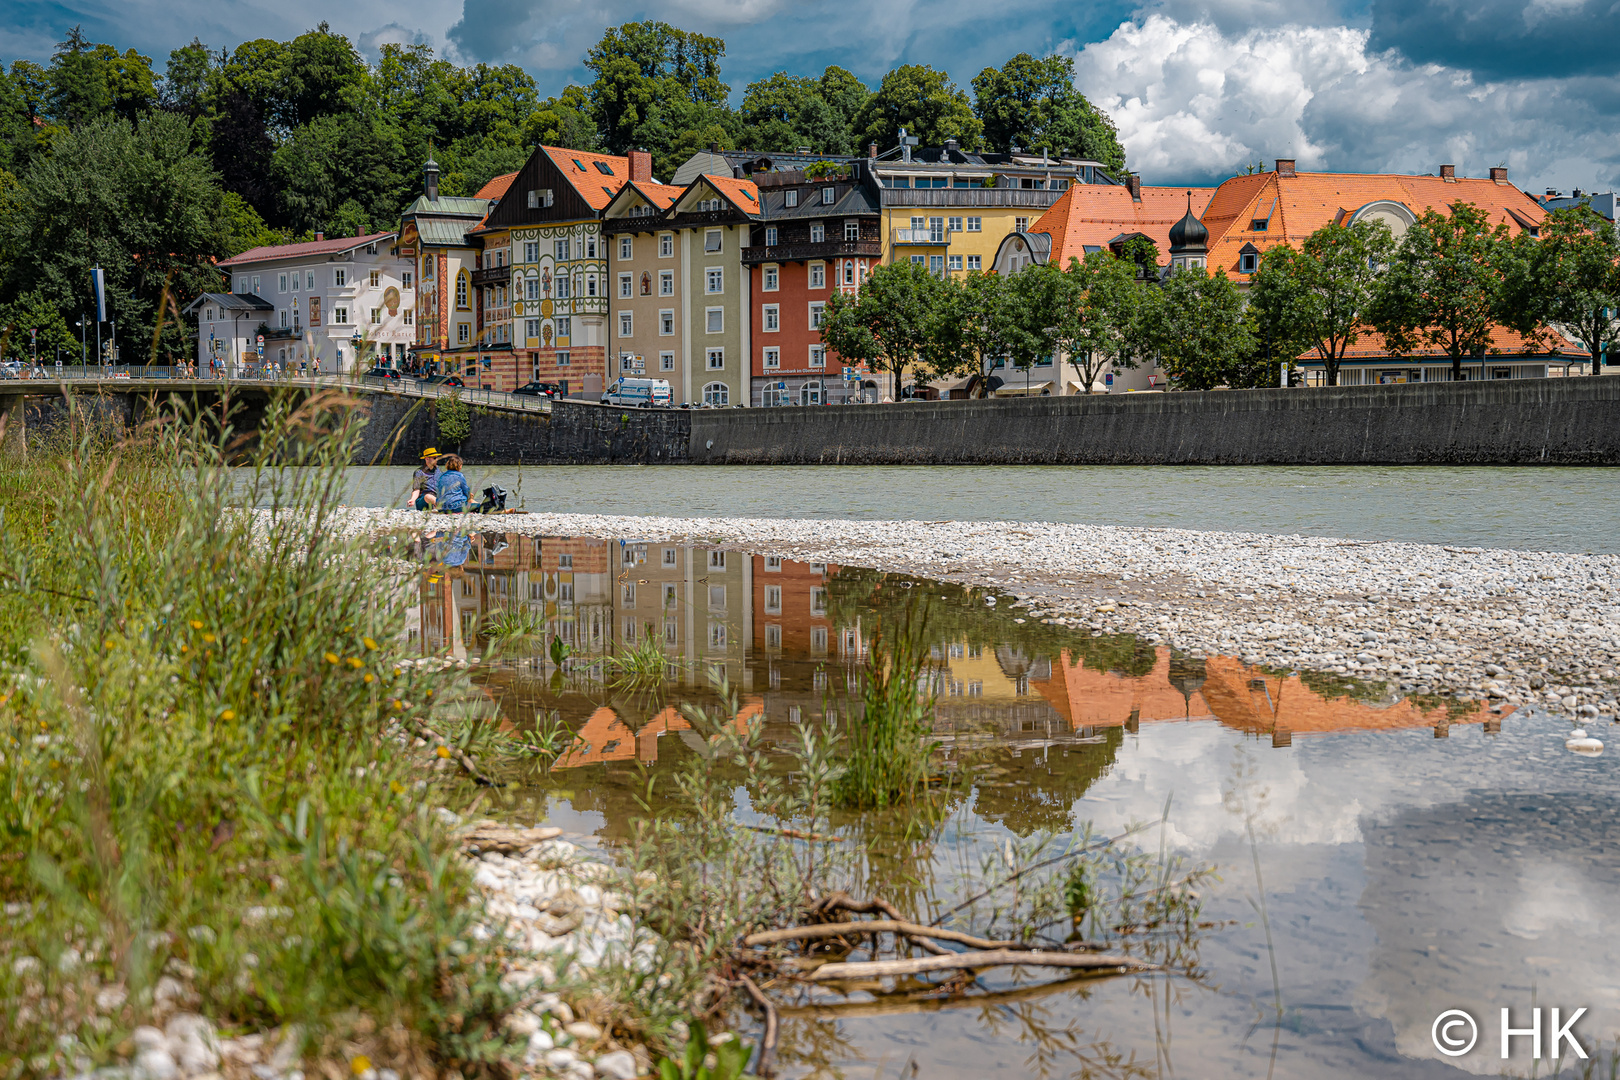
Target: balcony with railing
832, 249
491, 275
936, 237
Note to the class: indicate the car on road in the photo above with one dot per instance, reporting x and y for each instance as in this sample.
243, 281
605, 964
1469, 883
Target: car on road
540, 389
442, 380
383, 373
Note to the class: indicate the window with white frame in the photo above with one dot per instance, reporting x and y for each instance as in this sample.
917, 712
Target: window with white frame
531, 252
563, 359
975, 224
626, 324
828, 195
973, 262
773, 359
714, 280
284, 318
1020, 224
256, 282
772, 279
716, 359
281, 283
376, 315
340, 277
340, 316
770, 236
936, 264
717, 393
463, 333
590, 246
590, 285
564, 325
953, 224
531, 328
818, 356
563, 291
666, 283
626, 286
561, 250
818, 232
406, 279
625, 248
817, 308
790, 197
714, 320
849, 272
711, 241
666, 323
818, 275
773, 599
666, 246
956, 262
773, 318
410, 317
666, 361
852, 231
374, 279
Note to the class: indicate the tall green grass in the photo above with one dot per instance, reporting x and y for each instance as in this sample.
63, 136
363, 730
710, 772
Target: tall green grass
887, 749
199, 771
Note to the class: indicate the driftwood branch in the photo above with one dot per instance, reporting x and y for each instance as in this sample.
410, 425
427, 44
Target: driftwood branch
872, 926
766, 1066
841, 901
871, 969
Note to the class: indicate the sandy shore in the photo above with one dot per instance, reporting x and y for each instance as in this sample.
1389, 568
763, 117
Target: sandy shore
1516, 626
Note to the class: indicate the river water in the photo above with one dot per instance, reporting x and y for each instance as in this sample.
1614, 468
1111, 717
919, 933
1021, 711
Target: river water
1381, 859
1541, 509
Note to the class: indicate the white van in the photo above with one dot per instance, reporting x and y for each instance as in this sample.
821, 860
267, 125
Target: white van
644, 393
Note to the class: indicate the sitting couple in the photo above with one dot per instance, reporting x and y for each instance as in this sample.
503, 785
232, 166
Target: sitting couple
439, 485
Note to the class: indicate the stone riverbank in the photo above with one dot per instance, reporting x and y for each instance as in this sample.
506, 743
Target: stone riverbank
1519, 627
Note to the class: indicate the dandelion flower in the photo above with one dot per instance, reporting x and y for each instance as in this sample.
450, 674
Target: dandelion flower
443, 751
369, 676
396, 787
369, 643
228, 714
196, 624
353, 661
209, 638
331, 658
360, 1065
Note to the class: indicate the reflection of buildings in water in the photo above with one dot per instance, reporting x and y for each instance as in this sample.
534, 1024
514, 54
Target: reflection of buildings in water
607, 736
1487, 903
1238, 695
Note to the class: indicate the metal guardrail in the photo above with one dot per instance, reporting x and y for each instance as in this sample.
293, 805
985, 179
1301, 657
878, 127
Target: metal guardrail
122, 375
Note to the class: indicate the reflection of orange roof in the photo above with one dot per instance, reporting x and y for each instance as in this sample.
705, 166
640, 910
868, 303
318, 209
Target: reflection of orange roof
1295, 206
584, 172
1092, 215
605, 737
1237, 694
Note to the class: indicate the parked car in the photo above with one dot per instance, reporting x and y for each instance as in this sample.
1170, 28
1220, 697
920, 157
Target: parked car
540, 389
643, 393
383, 373
443, 380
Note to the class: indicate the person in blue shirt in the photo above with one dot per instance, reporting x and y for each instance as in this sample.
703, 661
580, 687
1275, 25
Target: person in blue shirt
453, 488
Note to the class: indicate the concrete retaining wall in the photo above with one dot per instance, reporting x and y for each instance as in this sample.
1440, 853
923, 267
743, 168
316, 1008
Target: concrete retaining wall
1509, 422
399, 429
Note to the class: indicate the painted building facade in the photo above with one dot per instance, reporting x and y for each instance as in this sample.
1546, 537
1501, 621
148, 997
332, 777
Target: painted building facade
712, 220
433, 234
648, 287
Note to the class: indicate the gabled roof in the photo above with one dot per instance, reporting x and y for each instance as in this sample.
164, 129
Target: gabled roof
447, 206
308, 250
1089, 216
854, 198
596, 177
1296, 205
741, 194
496, 188
659, 196
723, 162
1505, 344
231, 302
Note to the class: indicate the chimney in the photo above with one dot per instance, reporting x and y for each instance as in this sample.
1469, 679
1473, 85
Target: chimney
640, 166
871, 150
430, 172
1499, 174
320, 236
1134, 183
1448, 173
739, 173
951, 145
1285, 166
714, 148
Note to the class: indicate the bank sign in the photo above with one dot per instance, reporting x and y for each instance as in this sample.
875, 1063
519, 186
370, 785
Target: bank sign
1456, 1032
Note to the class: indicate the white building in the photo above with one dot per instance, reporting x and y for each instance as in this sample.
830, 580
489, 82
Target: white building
328, 303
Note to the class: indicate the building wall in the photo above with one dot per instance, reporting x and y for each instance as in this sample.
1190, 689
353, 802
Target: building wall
794, 339
995, 222
734, 339
647, 266
564, 335
326, 342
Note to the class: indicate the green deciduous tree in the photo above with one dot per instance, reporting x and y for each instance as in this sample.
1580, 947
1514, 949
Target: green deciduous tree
1322, 294
891, 323
925, 102
319, 75
1569, 277
1196, 326
657, 88
562, 120
1033, 103
78, 81
335, 161
972, 326
1105, 330
1442, 286
32, 311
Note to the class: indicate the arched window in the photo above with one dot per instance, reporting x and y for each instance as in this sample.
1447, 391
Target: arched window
717, 393
461, 290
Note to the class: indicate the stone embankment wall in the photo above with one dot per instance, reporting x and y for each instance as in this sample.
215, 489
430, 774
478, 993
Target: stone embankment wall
1509, 422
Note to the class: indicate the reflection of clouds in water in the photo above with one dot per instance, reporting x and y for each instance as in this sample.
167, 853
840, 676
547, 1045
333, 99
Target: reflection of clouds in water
1216, 780
1485, 903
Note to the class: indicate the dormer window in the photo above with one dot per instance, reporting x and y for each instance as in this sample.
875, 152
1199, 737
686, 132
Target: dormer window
827, 194
1248, 259
790, 197
1259, 225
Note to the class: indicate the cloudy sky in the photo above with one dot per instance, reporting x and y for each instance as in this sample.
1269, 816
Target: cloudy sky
1196, 87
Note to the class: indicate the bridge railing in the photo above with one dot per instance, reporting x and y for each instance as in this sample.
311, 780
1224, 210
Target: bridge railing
246, 376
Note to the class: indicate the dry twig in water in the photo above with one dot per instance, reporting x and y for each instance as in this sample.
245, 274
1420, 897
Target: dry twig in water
871, 969
873, 926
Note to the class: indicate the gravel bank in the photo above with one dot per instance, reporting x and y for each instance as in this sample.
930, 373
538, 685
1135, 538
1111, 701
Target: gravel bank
1520, 627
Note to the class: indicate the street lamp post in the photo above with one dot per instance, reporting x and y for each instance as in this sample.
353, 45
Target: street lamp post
83, 348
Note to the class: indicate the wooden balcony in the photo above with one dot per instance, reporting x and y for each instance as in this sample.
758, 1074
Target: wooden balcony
832, 249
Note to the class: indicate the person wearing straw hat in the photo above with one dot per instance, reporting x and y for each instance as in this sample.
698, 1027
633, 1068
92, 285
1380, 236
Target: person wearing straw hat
425, 481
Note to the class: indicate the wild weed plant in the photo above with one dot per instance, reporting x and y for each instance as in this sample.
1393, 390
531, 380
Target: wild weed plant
887, 750
201, 774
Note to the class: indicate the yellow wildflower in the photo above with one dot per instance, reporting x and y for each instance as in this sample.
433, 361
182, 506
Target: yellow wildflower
209, 638
369, 676
196, 624
360, 1065
331, 658
353, 661
228, 714
443, 751
396, 787
369, 643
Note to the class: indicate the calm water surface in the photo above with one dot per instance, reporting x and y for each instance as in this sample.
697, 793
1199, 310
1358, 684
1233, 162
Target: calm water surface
1551, 509
1409, 856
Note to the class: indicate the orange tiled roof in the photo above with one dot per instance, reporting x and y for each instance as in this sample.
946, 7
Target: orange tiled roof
1504, 342
743, 194
579, 168
1296, 206
1094, 214
660, 196
497, 187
